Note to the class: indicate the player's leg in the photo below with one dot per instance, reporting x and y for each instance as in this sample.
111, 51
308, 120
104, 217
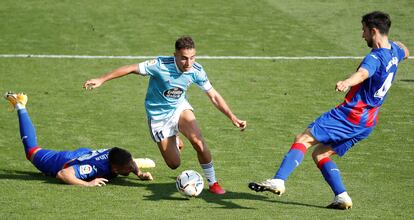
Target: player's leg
330, 171
292, 159
163, 133
188, 126
295, 155
170, 152
180, 143
321, 155
27, 130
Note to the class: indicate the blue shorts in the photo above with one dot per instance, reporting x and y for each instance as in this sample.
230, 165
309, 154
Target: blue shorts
50, 162
332, 130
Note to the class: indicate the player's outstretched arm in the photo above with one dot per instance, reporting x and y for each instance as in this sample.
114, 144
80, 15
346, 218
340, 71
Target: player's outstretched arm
67, 175
122, 71
221, 105
143, 175
355, 79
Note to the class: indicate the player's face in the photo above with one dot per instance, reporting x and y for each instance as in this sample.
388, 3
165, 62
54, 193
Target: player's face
185, 59
367, 35
125, 170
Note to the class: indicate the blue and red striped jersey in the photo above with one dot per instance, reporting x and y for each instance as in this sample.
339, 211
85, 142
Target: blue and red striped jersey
362, 102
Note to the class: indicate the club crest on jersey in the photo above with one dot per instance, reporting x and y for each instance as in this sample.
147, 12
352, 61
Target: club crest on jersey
85, 169
174, 93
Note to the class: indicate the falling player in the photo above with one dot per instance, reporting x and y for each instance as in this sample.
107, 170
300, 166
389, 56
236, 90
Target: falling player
337, 130
83, 166
167, 108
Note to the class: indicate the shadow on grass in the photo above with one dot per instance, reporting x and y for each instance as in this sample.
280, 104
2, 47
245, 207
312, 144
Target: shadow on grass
297, 204
27, 175
407, 80
168, 191
163, 191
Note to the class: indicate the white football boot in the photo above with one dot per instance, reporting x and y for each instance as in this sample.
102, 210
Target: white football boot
341, 201
143, 163
276, 186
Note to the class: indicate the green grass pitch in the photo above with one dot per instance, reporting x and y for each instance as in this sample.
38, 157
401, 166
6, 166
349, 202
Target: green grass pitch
278, 98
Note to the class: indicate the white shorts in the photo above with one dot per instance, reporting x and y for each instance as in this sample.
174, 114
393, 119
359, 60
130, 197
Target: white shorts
167, 127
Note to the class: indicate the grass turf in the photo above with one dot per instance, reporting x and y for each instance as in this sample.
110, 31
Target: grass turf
278, 98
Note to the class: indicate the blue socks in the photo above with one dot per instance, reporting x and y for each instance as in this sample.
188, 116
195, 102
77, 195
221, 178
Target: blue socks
332, 175
27, 132
292, 159
328, 168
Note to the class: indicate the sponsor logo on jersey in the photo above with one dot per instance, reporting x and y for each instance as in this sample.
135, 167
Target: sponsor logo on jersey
85, 169
174, 93
102, 157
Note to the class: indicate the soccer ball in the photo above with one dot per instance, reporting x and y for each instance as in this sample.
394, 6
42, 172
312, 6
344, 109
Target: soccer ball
190, 183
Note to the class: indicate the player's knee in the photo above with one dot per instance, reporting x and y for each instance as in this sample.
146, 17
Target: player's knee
301, 138
317, 155
297, 137
173, 164
305, 138
198, 144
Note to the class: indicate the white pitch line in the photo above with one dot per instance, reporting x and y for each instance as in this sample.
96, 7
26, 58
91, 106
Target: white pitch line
54, 56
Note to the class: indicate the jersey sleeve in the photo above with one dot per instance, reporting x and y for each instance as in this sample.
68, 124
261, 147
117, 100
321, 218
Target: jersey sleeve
149, 67
84, 171
202, 81
371, 64
400, 51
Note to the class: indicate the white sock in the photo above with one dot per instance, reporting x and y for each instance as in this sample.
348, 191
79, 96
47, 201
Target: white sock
19, 106
209, 173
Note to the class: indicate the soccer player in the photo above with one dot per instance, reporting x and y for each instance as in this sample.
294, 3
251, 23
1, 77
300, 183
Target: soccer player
168, 110
337, 130
83, 166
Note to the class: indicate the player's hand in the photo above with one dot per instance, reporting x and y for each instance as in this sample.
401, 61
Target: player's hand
240, 124
341, 86
145, 176
92, 84
98, 182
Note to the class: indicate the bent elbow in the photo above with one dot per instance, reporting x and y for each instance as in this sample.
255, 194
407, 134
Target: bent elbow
60, 175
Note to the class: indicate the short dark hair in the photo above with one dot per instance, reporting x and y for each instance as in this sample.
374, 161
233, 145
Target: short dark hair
379, 20
184, 42
119, 156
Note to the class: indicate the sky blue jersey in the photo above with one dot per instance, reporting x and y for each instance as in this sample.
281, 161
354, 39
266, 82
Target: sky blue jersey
168, 85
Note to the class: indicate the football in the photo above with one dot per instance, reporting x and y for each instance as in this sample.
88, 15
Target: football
190, 183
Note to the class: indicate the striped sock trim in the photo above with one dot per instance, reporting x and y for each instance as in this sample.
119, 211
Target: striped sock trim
31, 151
299, 146
207, 165
323, 161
